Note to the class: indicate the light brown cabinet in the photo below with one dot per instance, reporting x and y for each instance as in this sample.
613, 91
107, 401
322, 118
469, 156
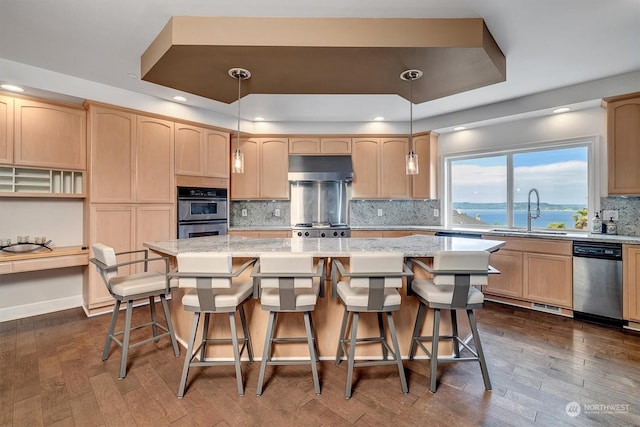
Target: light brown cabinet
201, 152
311, 145
6, 130
49, 135
631, 283
423, 185
261, 233
623, 143
533, 270
131, 157
266, 163
379, 168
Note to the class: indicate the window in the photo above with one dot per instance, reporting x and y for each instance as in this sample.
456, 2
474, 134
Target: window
495, 189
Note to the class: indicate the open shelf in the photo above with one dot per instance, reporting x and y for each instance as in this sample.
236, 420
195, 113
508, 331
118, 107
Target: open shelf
36, 182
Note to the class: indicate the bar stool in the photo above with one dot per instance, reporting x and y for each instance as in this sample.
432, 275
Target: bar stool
128, 288
209, 278
375, 278
455, 273
287, 285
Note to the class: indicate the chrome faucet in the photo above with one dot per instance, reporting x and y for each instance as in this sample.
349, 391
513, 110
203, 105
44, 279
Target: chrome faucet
531, 216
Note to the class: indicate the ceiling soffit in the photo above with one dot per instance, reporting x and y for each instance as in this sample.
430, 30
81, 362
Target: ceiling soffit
323, 56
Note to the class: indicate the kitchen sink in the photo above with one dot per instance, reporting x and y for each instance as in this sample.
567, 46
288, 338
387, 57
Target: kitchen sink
521, 231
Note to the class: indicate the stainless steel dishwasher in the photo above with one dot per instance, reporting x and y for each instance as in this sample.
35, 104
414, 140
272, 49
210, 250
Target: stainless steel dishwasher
597, 282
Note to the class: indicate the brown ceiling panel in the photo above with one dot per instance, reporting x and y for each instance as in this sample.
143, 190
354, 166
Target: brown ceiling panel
298, 63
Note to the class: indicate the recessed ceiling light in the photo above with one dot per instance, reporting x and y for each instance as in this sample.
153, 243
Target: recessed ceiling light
258, 119
561, 110
179, 98
12, 88
457, 128
378, 119
132, 75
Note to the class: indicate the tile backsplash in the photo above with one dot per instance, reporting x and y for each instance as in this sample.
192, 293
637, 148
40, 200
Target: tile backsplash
628, 208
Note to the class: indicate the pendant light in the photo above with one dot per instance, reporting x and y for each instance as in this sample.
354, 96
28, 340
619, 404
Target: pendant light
412, 157
237, 159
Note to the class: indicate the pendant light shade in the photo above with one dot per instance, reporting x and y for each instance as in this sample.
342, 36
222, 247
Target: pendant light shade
237, 159
412, 158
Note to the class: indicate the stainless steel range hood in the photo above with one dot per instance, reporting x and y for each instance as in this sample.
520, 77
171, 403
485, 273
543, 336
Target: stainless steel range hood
320, 168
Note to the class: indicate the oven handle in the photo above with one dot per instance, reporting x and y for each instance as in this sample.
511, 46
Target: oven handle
203, 221
201, 199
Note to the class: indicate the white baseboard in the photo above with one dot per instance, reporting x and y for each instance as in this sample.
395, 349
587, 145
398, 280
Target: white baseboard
37, 308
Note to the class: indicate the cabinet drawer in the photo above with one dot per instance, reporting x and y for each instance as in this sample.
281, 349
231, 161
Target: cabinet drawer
49, 263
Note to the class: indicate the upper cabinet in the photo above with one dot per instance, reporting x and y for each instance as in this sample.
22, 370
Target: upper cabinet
319, 145
266, 167
623, 143
49, 135
131, 157
201, 152
6, 130
423, 185
379, 168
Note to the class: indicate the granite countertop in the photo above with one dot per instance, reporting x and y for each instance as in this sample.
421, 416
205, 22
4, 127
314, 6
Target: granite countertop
410, 246
590, 237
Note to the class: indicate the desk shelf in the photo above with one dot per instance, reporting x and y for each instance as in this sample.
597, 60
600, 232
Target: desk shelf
29, 182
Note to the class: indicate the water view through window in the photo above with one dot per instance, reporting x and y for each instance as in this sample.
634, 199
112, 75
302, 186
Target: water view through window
480, 186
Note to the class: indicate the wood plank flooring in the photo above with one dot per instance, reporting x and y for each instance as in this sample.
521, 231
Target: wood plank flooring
51, 374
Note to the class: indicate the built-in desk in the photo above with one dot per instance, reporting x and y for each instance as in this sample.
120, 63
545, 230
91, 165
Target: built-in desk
43, 259
328, 313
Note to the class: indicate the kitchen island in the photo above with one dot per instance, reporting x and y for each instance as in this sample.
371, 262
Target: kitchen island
328, 313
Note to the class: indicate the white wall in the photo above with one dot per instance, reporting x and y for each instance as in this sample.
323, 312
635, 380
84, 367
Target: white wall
28, 294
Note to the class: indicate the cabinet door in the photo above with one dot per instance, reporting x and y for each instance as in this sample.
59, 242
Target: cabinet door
394, 182
112, 225
189, 155
154, 223
48, 135
548, 279
6, 130
245, 185
366, 160
154, 160
631, 283
509, 282
304, 145
112, 155
335, 145
423, 185
623, 143
216, 153
274, 168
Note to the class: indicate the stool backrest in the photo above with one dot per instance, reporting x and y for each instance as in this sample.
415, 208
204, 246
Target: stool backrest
462, 261
207, 263
376, 264
106, 255
287, 264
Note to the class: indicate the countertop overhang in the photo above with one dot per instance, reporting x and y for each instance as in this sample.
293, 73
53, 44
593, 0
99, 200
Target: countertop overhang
249, 247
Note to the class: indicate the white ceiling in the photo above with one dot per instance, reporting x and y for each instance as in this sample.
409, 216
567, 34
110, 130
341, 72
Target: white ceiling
548, 44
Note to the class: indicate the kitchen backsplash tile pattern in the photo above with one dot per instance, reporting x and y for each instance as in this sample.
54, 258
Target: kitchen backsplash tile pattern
262, 213
393, 212
628, 213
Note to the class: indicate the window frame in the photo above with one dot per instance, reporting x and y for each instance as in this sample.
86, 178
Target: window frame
592, 143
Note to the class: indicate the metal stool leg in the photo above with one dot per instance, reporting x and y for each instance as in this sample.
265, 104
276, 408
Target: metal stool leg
315, 341
343, 330
245, 331
352, 353
154, 318
189, 355
454, 333
396, 349
167, 316
125, 341
383, 337
205, 336
313, 357
434, 349
476, 339
416, 331
266, 352
236, 352
112, 327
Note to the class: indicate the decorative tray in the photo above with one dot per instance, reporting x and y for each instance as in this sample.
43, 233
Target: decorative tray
21, 248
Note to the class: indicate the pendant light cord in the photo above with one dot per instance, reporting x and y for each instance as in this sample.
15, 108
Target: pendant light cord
239, 77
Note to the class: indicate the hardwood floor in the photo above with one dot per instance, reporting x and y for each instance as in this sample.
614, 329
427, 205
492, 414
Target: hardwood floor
51, 373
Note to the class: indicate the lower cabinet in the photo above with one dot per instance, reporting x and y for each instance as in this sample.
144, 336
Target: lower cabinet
533, 270
124, 227
631, 283
261, 233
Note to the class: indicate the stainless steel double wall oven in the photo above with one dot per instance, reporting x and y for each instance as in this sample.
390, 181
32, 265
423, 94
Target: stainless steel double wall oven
202, 212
